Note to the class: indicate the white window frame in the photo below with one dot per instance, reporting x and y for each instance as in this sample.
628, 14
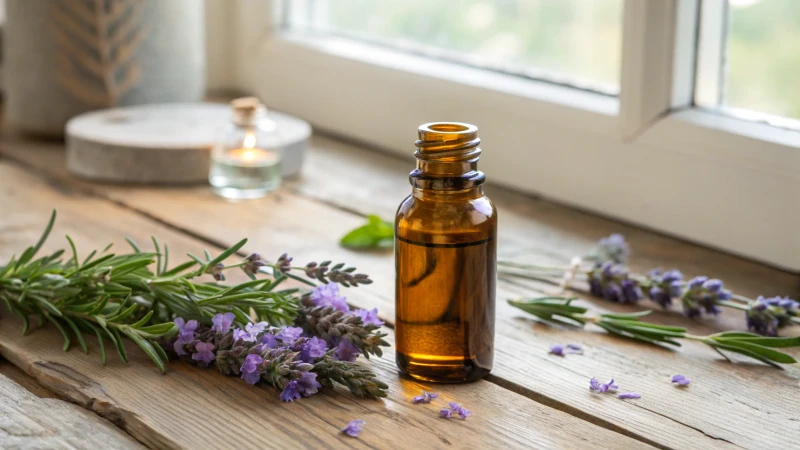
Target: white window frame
648, 157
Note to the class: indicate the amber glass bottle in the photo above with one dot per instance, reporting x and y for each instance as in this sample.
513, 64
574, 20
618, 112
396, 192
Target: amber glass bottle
445, 258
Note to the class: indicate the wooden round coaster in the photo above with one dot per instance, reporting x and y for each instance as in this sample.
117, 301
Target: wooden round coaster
166, 143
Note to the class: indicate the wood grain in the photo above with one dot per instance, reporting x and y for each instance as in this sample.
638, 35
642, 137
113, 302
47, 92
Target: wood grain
196, 408
30, 422
746, 405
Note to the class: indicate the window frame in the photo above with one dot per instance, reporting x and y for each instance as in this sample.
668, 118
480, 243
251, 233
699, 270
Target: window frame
648, 157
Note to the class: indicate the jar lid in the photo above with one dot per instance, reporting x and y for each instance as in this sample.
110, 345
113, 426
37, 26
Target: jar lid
248, 110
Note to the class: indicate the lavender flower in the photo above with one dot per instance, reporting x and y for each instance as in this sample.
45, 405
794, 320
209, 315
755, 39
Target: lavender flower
185, 334
368, 316
250, 369
563, 350
204, 352
308, 384
611, 282
291, 392
253, 264
628, 395
762, 318
455, 408
703, 294
288, 335
284, 263
268, 340
426, 397
612, 248
222, 322
766, 315
242, 335
353, 427
664, 286
345, 351
216, 272
256, 328
596, 386
328, 295
312, 349
681, 380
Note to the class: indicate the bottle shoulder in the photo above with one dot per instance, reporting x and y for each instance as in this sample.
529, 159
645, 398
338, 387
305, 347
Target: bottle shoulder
463, 220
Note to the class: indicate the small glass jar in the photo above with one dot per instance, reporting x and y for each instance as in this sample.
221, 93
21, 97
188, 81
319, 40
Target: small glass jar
246, 158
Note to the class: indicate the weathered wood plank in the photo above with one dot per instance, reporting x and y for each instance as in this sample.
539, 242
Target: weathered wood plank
196, 408
26, 381
31, 422
672, 418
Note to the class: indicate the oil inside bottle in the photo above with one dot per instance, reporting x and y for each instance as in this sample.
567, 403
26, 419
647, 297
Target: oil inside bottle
445, 308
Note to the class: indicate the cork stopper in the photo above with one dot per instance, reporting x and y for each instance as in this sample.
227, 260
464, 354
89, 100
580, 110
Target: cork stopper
248, 110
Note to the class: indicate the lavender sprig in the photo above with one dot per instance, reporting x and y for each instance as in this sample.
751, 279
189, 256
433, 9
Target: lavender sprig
560, 310
608, 279
275, 357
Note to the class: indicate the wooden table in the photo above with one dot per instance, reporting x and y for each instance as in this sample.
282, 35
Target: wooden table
531, 400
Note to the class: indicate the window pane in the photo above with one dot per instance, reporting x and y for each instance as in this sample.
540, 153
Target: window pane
763, 55
575, 42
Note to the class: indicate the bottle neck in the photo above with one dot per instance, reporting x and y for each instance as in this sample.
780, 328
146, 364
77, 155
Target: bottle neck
447, 158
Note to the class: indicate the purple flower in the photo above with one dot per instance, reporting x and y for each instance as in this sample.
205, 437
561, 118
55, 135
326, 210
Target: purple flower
216, 272
313, 348
185, 329
222, 322
665, 286
288, 335
307, 384
612, 282
253, 264
702, 295
612, 248
250, 368
256, 328
368, 317
681, 380
291, 392
627, 395
185, 334
766, 315
353, 427
563, 350
268, 340
205, 352
426, 397
596, 386
454, 408
240, 334
345, 351
328, 295
762, 319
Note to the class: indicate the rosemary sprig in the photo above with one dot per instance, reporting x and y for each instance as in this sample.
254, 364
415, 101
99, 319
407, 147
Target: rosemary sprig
561, 311
137, 295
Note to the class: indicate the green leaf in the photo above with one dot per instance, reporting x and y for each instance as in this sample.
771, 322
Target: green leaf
30, 252
224, 255
74, 251
158, 254
63, 332
133, 245
77, 334
178, 269
772, 342
766, 352
743, 351
120, 344
100, 342
377, 233
147, 347
143, 320
158, 329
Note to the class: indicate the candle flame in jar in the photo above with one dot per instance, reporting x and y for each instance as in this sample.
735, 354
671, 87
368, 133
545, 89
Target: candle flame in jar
249, 140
